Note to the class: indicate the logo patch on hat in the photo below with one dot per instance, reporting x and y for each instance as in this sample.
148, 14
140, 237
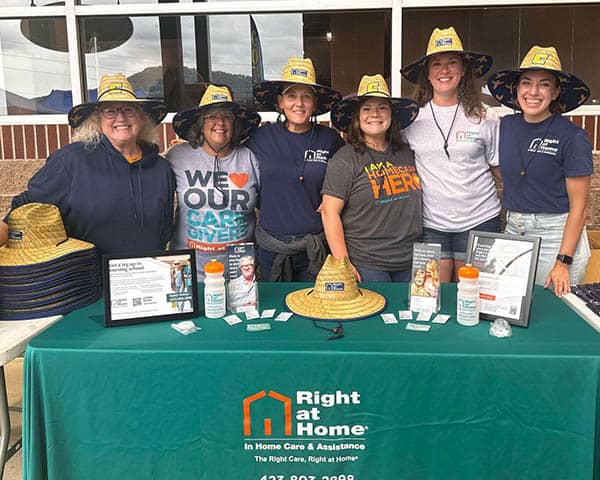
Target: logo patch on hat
443, 42
373, 87
540, 59
334, 286
301, 72
15, 235
219, 97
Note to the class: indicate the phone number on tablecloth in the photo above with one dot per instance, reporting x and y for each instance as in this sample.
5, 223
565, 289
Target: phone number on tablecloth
308, 477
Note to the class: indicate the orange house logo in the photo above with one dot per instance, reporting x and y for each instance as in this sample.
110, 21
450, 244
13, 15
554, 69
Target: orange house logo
286, 403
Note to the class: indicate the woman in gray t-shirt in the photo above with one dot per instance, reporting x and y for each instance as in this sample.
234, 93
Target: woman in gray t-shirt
217, 179
371, 207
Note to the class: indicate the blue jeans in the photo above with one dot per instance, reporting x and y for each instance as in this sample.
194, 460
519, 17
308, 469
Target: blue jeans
266, 258
454, 244
549, 227
368, 275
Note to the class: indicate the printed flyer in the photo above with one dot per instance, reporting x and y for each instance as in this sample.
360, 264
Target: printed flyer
425, 284
242, 291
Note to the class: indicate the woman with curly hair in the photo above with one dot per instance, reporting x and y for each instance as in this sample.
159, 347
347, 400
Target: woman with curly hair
454, 140
111, 185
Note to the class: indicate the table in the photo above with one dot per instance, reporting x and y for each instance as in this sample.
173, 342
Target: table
14, 336
144, 402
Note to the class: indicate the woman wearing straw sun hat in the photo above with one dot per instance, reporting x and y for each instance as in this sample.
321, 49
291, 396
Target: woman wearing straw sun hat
454, 140
112, 187
293, 155
217, 178
372, 194
546, 164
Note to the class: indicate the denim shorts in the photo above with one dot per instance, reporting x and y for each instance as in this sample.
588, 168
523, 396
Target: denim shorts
454, 244
549, 227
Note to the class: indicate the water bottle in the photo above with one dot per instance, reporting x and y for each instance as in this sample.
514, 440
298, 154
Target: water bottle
467, 296
214, 290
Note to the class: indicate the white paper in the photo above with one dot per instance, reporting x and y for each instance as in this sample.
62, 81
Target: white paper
252, 314
388, 318
232, 319
283, 316
424, 316
418, 327
405, 315
268, 313
440, 318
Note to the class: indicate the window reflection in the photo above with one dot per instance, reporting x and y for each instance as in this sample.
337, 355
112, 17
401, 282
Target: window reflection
173, 56
33, 79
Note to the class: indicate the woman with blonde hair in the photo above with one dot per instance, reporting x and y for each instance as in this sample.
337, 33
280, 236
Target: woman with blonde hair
112, 187
454, 140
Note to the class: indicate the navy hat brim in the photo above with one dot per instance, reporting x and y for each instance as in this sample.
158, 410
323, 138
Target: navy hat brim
503, 87
405, 111
266, 93
480, 63
155, 109
183, 121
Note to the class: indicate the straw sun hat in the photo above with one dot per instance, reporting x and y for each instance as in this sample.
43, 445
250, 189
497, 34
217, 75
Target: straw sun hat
216, 96
573, 91
446, 41
336, 295
405, 110
116, 88
298, 71
36, 234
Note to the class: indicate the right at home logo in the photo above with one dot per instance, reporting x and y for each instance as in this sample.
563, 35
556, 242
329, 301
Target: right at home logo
308, 413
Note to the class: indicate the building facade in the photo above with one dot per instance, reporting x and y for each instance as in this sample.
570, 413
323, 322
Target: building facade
52, 54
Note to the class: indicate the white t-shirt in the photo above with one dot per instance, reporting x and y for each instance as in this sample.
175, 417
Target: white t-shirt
458, 192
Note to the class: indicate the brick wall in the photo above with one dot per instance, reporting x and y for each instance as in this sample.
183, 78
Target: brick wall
24, 149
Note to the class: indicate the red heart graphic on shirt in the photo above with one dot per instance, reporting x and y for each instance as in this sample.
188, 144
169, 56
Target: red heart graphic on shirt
239, 179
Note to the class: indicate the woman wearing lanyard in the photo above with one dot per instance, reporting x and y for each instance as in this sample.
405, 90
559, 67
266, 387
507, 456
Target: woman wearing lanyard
546, 164
454, 140
372, 193
293, 154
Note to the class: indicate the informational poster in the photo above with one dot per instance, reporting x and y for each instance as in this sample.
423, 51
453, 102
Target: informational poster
425, 284
242, 288
151, 288
507, 266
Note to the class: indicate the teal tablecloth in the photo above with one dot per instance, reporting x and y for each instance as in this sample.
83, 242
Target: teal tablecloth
144, 402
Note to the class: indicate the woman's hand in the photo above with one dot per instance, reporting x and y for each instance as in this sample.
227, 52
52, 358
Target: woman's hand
356, 274
560, 279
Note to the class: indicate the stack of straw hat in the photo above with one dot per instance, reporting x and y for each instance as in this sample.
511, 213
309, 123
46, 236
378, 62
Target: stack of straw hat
42, 271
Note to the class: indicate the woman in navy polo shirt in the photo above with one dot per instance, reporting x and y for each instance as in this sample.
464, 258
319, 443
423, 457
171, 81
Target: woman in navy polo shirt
292, 155
546, 164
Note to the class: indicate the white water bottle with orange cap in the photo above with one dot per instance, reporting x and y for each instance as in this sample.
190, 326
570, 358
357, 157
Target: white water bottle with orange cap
214, 290
467, 296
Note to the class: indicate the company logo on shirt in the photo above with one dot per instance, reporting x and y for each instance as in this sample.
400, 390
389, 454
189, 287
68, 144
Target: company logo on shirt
467, 136
548, 146
390, 182
211, 230
319, 156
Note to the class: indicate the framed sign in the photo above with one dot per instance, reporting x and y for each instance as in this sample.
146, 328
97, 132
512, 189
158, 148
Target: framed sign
507, 265
154, 288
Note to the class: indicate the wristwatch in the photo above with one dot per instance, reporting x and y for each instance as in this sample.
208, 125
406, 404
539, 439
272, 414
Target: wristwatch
566, 259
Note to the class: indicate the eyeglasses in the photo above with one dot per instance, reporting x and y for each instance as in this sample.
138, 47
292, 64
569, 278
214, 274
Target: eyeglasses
111, 112
246, 266
215, 117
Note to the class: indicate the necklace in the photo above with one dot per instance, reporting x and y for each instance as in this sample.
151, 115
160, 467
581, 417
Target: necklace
445, 137
525, 165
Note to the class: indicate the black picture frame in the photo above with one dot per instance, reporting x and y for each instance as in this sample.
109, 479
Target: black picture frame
507, 267
128, 274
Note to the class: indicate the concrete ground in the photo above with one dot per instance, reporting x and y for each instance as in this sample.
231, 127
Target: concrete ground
13, 372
